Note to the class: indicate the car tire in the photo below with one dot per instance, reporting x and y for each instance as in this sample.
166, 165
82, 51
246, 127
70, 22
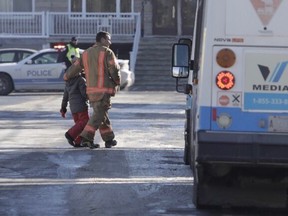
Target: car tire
6, 85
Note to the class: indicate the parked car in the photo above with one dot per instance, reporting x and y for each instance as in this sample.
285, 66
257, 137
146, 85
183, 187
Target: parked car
127, 76
9, 55
41, 71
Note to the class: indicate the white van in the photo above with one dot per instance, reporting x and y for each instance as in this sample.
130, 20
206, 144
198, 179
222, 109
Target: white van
236, 132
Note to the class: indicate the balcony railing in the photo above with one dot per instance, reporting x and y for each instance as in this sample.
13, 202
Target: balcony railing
47, 24
22, 25
84, 25
88, 24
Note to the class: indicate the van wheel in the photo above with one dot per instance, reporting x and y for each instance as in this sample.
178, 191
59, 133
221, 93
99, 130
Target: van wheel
199, 192
6, 85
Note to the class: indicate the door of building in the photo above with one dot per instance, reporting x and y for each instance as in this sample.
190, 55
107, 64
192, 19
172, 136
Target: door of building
164, 17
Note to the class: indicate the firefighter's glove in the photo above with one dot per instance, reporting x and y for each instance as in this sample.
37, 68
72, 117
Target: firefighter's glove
63, 111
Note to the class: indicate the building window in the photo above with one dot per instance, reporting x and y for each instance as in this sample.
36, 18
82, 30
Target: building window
126, 6
76, 6
101, 6
93, 7
5, 6
17, 5
22, 5
108, 6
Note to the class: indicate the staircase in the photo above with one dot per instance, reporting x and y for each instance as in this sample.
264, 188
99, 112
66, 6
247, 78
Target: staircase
153, 65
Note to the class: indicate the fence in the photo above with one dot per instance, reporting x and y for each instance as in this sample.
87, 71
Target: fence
47, 24
88, 24
53, 24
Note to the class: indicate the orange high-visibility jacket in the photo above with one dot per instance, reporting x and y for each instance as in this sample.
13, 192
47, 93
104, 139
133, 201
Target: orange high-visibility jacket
102, 71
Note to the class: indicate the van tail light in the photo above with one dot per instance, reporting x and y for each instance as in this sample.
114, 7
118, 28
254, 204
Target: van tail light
226, 58
225, 80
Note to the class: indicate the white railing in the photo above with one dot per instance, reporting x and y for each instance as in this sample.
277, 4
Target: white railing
48, 24
134, 52
22, 24
88, 24
83, 25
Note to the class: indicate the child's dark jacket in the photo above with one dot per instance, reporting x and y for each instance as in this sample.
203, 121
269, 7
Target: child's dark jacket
75, 94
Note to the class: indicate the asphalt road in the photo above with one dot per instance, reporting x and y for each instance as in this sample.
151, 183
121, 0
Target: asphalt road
40, 174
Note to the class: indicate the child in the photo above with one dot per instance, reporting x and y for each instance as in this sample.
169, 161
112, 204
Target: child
75, 93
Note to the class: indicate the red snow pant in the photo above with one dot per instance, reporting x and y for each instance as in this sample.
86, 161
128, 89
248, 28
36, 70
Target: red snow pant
80, 119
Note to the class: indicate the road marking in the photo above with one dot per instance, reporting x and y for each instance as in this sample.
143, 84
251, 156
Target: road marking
77, 181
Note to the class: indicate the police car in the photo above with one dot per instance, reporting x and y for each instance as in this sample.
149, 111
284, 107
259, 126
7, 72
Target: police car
8, 55
39, 71
127, 76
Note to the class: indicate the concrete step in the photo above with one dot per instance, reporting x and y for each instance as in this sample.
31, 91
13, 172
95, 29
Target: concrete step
152, 88
159, 69
163, 55
153, 65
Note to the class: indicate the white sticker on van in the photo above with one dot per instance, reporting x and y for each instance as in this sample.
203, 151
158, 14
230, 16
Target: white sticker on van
266, 76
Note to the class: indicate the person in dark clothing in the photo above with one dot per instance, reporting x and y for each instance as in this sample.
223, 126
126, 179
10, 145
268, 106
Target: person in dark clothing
75, 94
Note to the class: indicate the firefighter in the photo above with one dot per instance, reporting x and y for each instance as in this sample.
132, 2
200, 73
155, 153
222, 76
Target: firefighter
102, 73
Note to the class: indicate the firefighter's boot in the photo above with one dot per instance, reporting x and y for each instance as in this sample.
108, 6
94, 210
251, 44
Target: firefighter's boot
88, 143
110, 143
